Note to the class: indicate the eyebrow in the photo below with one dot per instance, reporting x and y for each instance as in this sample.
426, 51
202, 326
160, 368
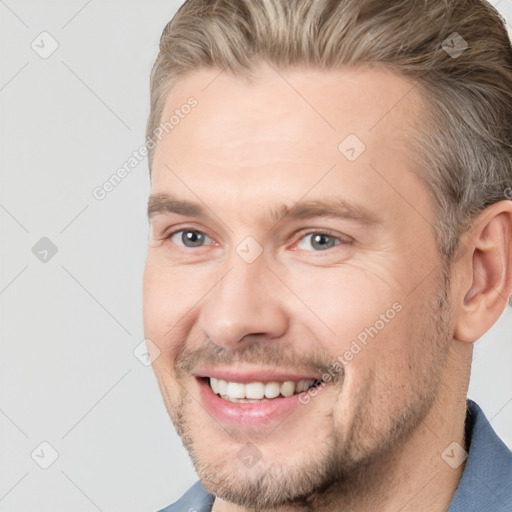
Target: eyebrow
162, 203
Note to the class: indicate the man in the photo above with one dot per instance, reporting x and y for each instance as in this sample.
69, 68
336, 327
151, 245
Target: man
330, 232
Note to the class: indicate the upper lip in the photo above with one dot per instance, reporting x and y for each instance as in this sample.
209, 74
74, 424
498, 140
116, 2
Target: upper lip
255, 375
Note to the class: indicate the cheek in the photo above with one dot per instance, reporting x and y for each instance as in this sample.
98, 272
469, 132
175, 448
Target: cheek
346, 300
161, 305
169, 296
154, 299
391, 367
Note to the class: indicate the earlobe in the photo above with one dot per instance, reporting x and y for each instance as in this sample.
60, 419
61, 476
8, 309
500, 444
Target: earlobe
490, 267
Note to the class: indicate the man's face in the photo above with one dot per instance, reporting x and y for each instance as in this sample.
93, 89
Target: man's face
347, 282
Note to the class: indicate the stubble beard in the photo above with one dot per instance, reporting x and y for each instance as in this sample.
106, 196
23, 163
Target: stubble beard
345, 468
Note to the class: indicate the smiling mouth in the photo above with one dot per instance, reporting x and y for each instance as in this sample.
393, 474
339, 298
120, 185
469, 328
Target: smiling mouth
253, 392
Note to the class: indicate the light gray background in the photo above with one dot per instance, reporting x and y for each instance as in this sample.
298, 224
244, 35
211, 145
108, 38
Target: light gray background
70, 325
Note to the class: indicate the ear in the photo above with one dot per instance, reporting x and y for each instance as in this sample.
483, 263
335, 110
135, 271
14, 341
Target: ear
488, 268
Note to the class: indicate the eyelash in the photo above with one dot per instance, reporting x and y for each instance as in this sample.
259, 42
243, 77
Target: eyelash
325, 232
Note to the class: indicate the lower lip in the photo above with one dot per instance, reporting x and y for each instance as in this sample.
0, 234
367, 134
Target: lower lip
246, 414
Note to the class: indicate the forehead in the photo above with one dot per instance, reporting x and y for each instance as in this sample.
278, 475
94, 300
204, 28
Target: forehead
286, 129
285, 106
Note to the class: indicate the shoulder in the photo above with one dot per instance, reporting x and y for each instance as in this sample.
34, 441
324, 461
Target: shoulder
196, 499
486, 483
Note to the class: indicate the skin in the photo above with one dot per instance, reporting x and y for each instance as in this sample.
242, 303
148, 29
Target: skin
372, 439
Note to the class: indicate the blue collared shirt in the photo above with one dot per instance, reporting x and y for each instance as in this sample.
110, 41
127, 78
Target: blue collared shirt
485, 486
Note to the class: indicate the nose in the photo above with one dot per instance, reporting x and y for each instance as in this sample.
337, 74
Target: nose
245, 302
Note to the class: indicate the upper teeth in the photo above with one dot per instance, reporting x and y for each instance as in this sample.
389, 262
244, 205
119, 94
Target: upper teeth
258, 390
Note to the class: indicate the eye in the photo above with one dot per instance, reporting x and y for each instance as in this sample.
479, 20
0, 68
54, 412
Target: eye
189, 238
319, 241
